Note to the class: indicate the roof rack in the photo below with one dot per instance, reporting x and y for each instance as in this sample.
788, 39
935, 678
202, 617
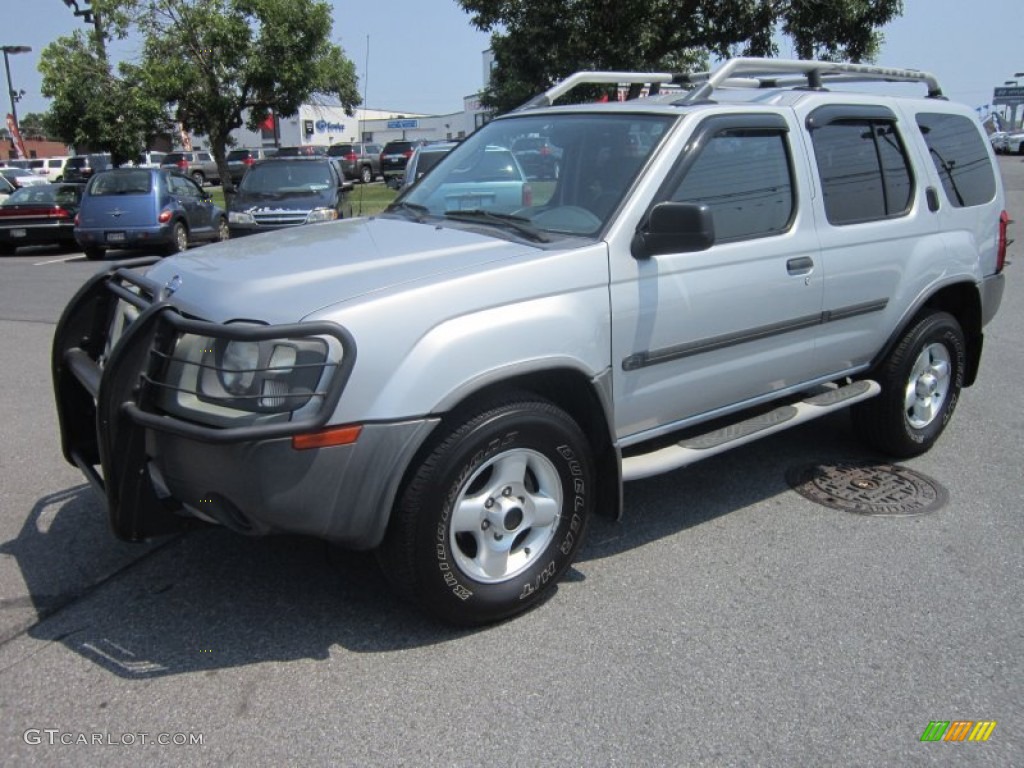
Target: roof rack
744, 73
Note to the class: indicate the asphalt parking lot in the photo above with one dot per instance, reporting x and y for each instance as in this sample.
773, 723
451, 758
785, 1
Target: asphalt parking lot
726, 621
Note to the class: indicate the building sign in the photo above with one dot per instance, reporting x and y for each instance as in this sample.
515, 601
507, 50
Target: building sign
324, 126
307, 127
1008, 95
401, 125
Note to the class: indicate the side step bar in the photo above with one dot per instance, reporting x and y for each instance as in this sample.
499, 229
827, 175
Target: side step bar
697, 447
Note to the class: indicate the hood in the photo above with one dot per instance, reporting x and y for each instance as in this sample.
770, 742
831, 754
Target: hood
283, 276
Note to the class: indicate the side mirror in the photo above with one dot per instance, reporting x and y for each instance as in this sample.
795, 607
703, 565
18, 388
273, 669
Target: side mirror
674, 228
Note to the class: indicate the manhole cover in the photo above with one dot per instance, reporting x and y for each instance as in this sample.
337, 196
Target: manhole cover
868, 488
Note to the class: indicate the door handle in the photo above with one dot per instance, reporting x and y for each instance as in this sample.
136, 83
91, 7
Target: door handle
801, 265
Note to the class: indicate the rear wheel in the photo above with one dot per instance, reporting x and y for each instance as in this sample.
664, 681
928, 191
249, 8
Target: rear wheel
223, 233
179, 239
94, 254
6, 250
366, 174
198, 178
921, 380
494, 515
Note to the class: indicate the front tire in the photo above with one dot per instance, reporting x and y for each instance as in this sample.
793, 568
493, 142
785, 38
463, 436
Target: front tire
921, 381
223, 231
494, 514
366, 174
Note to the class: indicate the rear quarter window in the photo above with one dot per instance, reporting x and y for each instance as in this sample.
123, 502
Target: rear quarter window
960, 157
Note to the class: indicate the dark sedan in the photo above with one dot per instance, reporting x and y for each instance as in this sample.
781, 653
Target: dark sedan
43, 215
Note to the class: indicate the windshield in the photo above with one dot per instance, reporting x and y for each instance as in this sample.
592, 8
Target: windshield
287, 178
562, 174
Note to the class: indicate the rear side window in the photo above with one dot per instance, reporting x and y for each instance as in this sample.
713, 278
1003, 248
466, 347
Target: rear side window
864, 171
960, 157
743, 176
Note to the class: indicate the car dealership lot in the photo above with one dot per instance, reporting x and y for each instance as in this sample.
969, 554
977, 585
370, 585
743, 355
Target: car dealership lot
725, 621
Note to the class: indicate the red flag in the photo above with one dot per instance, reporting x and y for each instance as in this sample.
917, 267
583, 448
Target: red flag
19, 145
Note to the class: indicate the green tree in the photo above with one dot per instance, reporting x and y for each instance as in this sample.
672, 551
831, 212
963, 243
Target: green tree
92, 108
218, 61
536, 42
31, 126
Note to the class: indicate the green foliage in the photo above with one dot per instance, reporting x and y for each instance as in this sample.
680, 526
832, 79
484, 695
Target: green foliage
214, 60
92, 108
537, 42
31, 126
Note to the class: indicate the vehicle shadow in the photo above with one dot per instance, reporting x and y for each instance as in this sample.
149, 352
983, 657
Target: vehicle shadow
213, 600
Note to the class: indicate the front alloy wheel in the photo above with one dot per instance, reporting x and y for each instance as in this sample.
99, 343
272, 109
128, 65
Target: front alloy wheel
494, 514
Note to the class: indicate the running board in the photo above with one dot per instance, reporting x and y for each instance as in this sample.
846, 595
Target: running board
698, 447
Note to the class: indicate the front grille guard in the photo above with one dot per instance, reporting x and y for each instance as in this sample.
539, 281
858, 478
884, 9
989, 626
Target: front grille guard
106, 390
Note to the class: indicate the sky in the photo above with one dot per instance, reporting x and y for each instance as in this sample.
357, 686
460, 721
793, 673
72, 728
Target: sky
424, 56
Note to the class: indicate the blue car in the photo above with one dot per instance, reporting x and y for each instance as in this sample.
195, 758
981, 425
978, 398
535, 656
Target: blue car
146, 208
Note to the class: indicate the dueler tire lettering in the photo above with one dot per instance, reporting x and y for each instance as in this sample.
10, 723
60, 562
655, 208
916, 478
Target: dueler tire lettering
495, 513
921, 380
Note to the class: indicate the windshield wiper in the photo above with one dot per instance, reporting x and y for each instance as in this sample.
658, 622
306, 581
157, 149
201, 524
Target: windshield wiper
518, 224
417, 213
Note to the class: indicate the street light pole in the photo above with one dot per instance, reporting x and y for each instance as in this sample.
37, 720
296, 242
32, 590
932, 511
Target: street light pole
15, 96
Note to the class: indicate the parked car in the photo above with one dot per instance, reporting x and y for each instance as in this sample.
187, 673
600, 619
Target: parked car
20, 177
53, 168
146, 208
151, 158
32, 164
538, 157
998, 141
461, 388
240, 160
39, 215
489, 180
425, 157
393, 159
198, 166
80, 168
1014, 143
358, 160
6, 188
286, 192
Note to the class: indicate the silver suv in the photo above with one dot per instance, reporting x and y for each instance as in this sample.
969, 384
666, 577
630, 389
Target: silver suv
461, 382
199, 166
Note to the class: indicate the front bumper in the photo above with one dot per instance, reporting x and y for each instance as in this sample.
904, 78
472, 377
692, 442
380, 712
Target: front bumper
160, 473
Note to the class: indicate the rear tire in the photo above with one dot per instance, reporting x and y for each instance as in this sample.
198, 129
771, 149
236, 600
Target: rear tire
366, 174
198, 178
494, 514
179, 239
7, 250
921, 380
94, 254
223, 232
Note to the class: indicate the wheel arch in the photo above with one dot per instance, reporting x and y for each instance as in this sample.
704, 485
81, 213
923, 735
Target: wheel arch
963, 302
586, 400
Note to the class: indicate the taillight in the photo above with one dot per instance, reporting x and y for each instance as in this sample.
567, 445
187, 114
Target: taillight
407, 153
164, 217
1004, 222
545, 150
183, 164
351, 157
249, 160
527, 195
59, 213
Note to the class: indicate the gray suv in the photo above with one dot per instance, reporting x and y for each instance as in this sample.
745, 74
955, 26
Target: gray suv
198, 166
358, 161
463, 381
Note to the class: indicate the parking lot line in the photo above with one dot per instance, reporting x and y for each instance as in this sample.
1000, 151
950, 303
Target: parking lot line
59, 261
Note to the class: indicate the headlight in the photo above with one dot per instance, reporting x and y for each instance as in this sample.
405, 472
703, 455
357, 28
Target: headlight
240, 217
270, 376
321, 214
